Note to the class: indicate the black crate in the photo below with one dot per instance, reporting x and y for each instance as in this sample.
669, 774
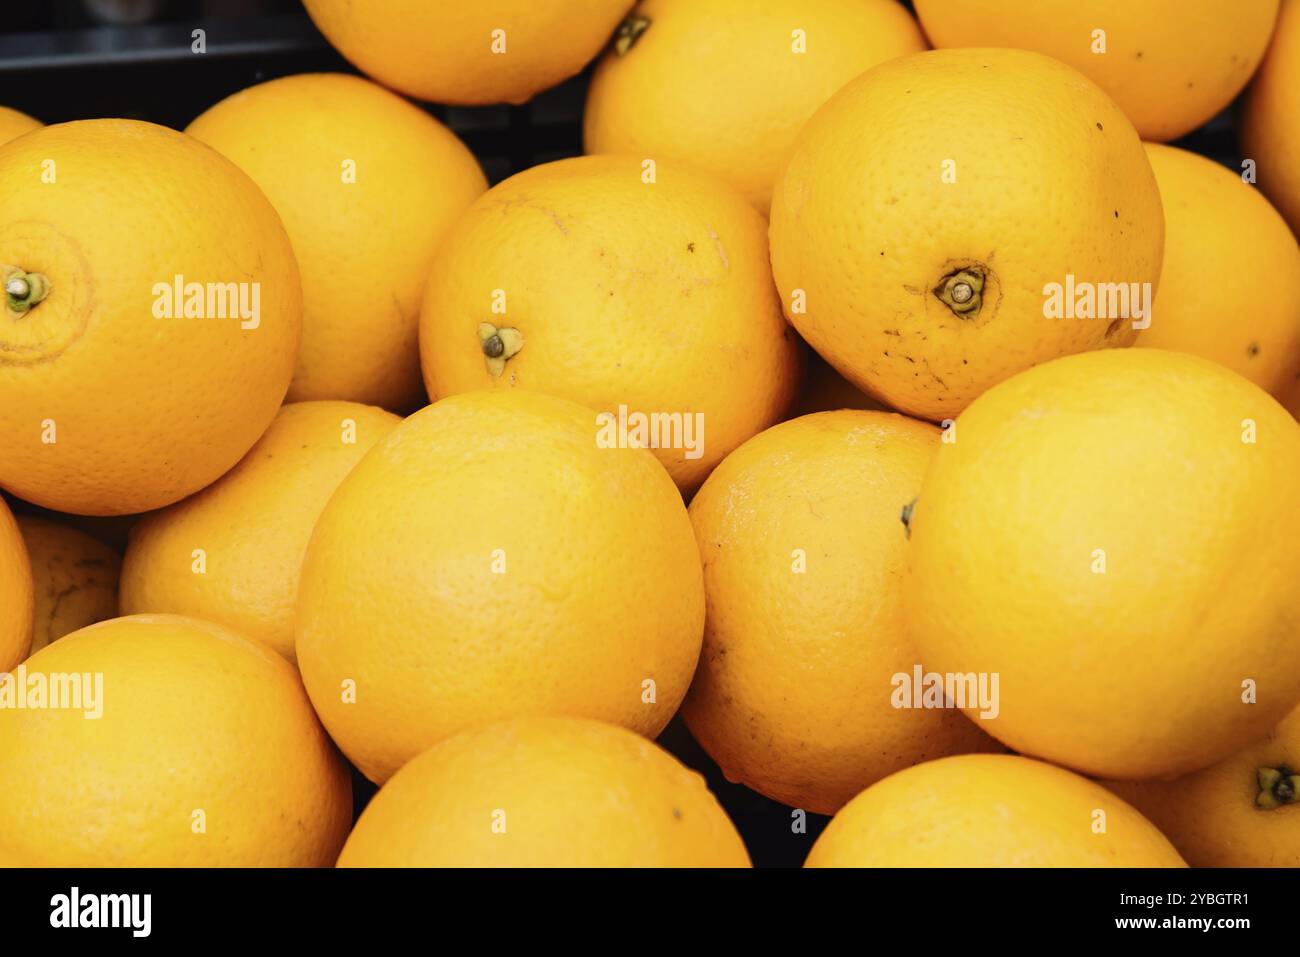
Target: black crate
59, 63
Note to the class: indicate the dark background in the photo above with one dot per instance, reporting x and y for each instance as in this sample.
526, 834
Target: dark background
72, 59
58, 62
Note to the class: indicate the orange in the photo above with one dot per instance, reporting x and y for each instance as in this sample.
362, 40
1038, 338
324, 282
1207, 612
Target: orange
990, 810
1117, 535
75, 577
641, 291
1270, 128
825, 390
14, 124
232, 552
490, 559
367, 184
756, 73
205, 753
1227, 286
545, 792
1240, 812
1170, 64
1291, 396
16, 592
116, 394
803, 549
918, 260
492, 51
112, 530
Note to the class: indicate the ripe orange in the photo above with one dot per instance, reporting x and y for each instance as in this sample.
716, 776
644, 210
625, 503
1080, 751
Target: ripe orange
1270, 129
112, 530
15, 592
990, 810
75, 577
367, 184
916, 259
1227, 286
491, 51
232, 552
825, 390
489, 559
116, 395
205, 753
14, 124
626, 288
756, 73
1240, 812
1117, 535
803, 550
1170, 64
1291, 397
545, 792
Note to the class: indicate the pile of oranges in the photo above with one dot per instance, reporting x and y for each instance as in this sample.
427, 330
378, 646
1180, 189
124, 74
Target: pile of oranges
916, 424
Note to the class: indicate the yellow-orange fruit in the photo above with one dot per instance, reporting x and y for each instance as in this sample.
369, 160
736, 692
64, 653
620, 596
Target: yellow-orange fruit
1270, 127
157, 318
14, 124
990, 810
825, 390
1291, 396
805, 641
232, 552
937, 256
1227, 286
74, 577
1117, 536
490, 51
367, 185
1241, 812
641, 292
726, 87
545, 792
490, 559
1170, 64
182, 745
16, 592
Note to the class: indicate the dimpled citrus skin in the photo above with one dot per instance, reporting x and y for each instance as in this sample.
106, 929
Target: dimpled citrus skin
1100, 535
104, 408
74, 577
989, 810
443, 52
792, 696
253, 525
726, 87
1227, 286
1210, 815
545, 792
195, 719
14, 124
16, 592
1051, 180
364, 236
489, 560
657, 296
1270, 127
1170, 64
